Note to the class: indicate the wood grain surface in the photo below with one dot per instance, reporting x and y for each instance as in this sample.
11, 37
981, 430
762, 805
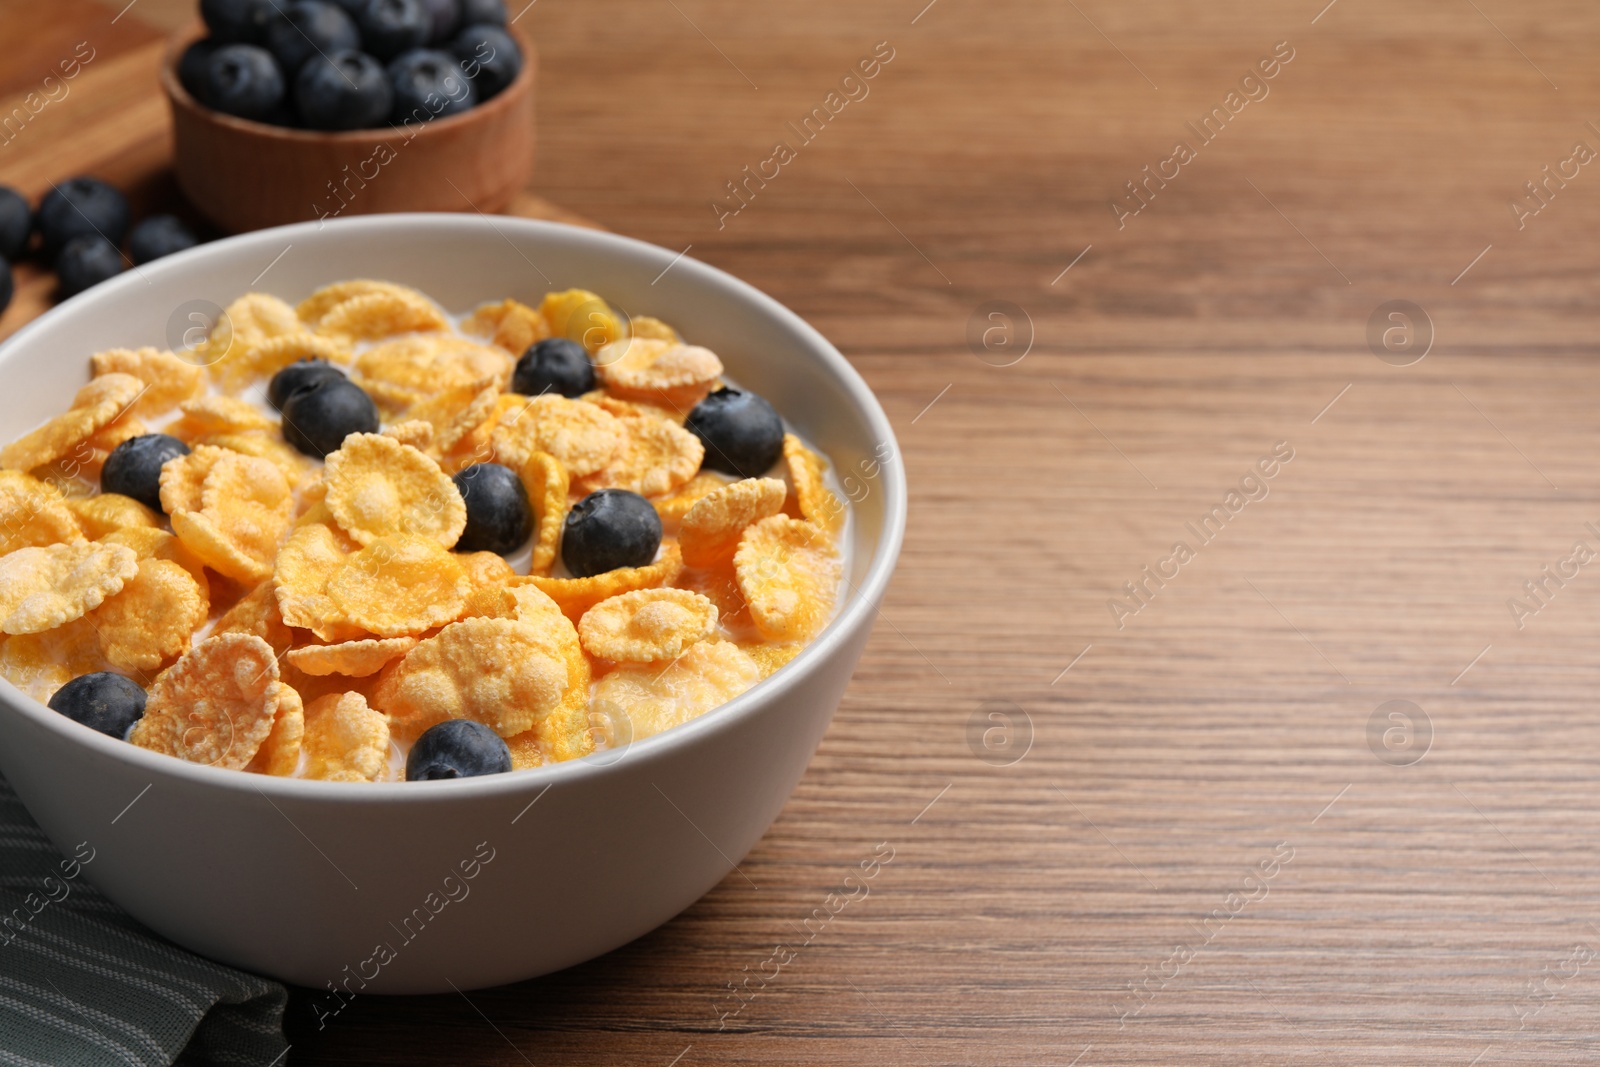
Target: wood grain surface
1195, 833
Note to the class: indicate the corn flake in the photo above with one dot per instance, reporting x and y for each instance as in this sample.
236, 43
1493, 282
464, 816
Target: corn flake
709, 532
656, 458
654, 699
97, 404
169, 379
668, 373
417, 433
720, 585
789, 572
674, 507
148, 542
345, 740
486, 570
222, 414
770, 657
381, 314
354, 659
153, 618
509, 324
279, 754
245, 507
500, 672
651, 328
545, 478
456, 411
646, 625
581, 316
39, 664
582, 436
306, 564
312, 309
400, 585
378, 487
407, 370
257, 613
183, 477
216, 705
577, 595
33, 512
44, 587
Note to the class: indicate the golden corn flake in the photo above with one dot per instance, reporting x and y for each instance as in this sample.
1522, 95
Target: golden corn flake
710, 529
381, 314
296, 468
577, 595
674, 507
407, 370
646, 625
345, 740
214, 706
39, 664
378, 487
148, 542
666, 372
257, 613
509, 324
456, 411
306, 564
314, 307
400, 585
183, 477
271, 356
490, 604
123, 428
245, 507
653, 329
789, 572
486, 570
245, 325
581, 316
583, 437
656, 458
653, 698
414, 432
169, 379
33, 512
720, 585
43, 587
502, 673
222, 414
525, 751
622, 408
153, 618
770, 657
109, 512
96, 405
354, 659
545, 478
279, 754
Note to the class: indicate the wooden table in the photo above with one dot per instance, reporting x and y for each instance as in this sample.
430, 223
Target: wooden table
1201, 836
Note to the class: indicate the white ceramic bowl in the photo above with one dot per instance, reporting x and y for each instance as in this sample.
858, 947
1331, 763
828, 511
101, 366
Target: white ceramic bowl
366, 887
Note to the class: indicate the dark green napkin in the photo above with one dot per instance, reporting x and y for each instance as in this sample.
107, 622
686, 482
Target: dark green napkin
81, 983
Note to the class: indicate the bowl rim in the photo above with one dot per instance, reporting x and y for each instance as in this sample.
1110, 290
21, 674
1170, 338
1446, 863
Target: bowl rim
853, 615
181, 97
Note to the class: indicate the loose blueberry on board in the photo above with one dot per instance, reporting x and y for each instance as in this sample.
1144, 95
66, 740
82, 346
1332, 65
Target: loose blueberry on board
236, 21
389, 27
86, 262
742, 433
244, 80
316, 420
457, 748
78, 207
608, 529
192, 67
554, 365
499, 517
7, 286
157, 236
101, 701
16, 223
474, 12
489, 56
309, 28
423, 75
134, 467
297, 376
344, 91
446, 16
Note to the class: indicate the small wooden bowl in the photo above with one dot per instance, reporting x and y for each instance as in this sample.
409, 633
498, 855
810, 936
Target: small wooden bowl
245, 175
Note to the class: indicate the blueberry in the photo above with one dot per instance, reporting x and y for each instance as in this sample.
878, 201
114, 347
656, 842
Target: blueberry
457, 748
345, 91
192, 67
244, 80
608, 529
86, 262
317, 419
297, 376
134, 467
16, 223
742, 433
492, 12
101, 701
499, 517
7, 285
157, 236
390, 27
428, 85
489, 56
446, 15
554, 365
236, 21
80, 206
307, 29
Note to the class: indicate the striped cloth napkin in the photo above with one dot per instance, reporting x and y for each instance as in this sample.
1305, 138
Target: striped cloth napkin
81, 983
